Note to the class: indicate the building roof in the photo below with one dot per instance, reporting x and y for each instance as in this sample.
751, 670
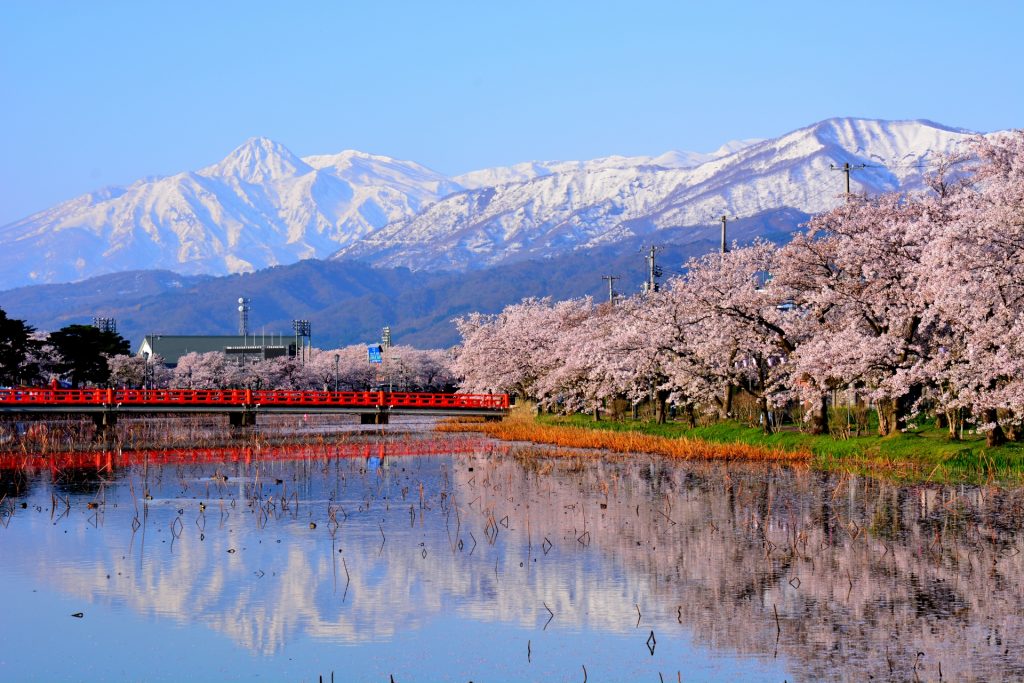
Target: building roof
172, 347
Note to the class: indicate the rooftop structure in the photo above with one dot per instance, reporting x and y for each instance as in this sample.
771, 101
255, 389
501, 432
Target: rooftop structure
249, 347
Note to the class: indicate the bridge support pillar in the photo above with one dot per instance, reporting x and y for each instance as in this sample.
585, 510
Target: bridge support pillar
104, 422
245, 418
373, 418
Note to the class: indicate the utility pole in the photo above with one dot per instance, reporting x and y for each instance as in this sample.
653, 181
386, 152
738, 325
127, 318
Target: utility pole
611, 286
725, 242
846, 168
653, 271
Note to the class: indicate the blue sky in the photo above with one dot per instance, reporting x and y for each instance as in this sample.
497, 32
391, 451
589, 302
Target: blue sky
102, 93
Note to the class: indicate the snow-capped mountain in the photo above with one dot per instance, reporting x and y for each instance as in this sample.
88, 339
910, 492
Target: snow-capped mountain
529, 170
260, 206
548, 208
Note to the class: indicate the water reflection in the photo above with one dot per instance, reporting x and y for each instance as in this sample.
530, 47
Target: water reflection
868, 580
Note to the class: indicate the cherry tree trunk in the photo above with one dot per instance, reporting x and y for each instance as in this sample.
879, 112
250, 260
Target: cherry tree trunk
886, 416
818, 424
996, 436
766, 415
727, 397
662, 410
1015, 431
893, 412
954, 421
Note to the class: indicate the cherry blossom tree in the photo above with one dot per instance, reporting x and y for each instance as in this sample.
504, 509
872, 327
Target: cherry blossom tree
855, 274
202, 371
975, 275
742, 330
134, 372
909, 301
514, 350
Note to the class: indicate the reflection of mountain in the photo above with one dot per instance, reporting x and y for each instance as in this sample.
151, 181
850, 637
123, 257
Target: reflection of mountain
864, 575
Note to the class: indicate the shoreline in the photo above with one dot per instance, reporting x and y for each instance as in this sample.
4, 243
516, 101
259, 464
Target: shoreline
921, 456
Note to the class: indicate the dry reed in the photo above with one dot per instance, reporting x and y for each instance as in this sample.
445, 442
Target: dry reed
625, 442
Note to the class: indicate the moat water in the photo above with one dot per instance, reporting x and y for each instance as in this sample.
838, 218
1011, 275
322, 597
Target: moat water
415, 557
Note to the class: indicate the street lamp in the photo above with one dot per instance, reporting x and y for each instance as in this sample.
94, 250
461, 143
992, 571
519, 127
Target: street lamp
336, 359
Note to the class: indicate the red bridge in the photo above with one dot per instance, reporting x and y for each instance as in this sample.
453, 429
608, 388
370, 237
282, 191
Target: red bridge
242, 405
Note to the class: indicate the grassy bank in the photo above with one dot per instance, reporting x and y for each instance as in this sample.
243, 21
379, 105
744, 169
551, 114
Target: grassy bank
924, 454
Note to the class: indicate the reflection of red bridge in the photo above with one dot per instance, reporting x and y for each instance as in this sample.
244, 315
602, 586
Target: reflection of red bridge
244, 404
111, 460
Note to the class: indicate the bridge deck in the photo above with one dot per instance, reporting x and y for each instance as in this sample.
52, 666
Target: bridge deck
84, 401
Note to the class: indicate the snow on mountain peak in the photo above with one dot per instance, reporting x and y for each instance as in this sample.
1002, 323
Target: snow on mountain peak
258, 160
886, 142
259, 206
262, 205
573, 205
677, 159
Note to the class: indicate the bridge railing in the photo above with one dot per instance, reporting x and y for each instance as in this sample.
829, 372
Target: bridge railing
247, 397
53, 396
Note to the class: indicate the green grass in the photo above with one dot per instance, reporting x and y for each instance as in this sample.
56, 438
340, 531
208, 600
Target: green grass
919, 455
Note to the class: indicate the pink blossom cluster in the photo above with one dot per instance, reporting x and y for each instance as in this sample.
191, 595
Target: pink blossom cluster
906, 302
405, 368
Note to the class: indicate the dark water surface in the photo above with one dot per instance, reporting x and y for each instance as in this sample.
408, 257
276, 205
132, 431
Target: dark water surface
434, 559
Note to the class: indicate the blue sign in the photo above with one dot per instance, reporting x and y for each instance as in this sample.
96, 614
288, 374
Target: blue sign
374, 352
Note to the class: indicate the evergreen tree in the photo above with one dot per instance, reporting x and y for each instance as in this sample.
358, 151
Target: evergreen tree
16, 345
82, 352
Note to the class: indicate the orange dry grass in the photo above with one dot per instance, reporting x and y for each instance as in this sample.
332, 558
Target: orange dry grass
625, 442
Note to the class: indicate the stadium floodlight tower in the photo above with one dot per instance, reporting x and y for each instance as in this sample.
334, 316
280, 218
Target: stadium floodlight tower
105, 324
243, 315
303, 333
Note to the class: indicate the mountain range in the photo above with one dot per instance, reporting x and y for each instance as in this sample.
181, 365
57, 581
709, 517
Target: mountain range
354, 241
601, 203
349, 302
263, 206
260, 206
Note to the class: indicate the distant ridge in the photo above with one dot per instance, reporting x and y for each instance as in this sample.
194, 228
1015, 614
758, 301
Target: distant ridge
264, 206
260, 206
571, 207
